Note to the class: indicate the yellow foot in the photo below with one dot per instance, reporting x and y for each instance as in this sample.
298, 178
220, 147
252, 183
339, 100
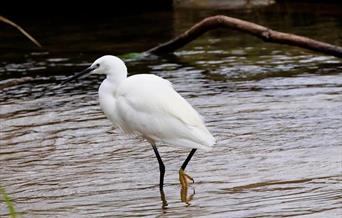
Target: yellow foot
183, 178
185, 197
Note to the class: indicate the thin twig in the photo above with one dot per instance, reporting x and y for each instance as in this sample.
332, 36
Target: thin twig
5, 20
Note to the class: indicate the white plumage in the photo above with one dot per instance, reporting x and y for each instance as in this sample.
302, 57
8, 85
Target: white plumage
148, 105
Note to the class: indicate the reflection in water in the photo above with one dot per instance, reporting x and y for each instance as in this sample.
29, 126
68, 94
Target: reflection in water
275, 111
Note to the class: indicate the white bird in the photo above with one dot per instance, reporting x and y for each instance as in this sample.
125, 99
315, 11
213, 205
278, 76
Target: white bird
147, 105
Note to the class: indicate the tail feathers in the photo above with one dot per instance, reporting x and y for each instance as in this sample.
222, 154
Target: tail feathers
187, 143
203, 138
199, 138
209, 143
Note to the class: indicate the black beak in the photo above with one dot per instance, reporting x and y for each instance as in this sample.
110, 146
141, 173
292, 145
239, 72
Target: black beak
79, 74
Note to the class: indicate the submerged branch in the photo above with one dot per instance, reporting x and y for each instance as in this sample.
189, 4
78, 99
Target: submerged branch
5, 20
266, 34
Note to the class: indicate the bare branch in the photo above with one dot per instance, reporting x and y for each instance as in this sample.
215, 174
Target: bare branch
5, 20
266, 34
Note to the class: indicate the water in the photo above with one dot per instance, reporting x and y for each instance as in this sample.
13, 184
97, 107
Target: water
275, 111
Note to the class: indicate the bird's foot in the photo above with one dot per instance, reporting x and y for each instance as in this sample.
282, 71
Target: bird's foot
183, 178
163, 198
184, 181
184, 195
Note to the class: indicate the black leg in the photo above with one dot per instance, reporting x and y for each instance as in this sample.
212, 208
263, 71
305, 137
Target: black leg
185, 163
162, 173
161, 167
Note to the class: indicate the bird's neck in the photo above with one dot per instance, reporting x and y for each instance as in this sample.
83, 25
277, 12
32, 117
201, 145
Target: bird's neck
117, 78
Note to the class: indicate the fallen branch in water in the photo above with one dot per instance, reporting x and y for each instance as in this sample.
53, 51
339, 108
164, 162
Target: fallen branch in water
5, 20
266, 34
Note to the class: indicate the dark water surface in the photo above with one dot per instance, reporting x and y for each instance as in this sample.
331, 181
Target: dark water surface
276, 112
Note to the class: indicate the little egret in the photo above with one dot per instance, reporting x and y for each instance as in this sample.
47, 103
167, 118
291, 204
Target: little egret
147, 105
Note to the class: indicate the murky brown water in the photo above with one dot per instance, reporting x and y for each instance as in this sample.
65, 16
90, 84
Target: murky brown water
275, 111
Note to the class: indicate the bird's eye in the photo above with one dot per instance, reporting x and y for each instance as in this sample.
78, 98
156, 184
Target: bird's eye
97, 65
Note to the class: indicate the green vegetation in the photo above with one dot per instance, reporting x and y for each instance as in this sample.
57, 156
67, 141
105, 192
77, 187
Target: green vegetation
8, 202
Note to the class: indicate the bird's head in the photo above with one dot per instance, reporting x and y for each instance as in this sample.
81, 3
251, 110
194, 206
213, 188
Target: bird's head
108, 65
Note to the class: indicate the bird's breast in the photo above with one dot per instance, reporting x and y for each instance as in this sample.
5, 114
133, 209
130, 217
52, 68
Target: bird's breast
108, 101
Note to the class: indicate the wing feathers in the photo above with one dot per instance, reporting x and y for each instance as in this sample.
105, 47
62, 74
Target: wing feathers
154, 109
